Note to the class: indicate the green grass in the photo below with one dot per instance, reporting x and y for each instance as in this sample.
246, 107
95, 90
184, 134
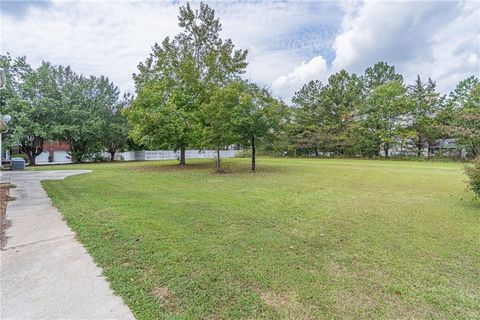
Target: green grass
299, 239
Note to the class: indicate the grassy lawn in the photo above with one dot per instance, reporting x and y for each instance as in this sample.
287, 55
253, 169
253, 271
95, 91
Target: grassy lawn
300, 239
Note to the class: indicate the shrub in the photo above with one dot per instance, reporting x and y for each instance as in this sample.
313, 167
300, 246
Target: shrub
473, 173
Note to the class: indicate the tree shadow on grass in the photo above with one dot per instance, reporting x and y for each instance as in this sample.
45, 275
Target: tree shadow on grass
209, 167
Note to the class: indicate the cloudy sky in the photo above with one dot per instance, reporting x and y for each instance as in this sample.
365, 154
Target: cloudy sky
289, 43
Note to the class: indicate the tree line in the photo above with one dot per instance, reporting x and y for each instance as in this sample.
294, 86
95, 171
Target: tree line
189, 93
377, 112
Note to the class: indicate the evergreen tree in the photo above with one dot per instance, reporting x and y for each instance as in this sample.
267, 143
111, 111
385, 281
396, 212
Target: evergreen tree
307, 117
425, 106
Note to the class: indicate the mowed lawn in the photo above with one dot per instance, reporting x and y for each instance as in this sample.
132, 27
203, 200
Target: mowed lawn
300, 239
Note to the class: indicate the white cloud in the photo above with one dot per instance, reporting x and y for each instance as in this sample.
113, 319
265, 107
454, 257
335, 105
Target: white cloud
286, 85
434, 39
440, 40
112, 38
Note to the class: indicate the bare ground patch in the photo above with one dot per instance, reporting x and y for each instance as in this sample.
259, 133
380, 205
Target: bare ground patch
168, 300
286, 303
162, 294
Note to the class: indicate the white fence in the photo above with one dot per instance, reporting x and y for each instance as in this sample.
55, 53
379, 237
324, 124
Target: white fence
189, 154
152, 155
144, 155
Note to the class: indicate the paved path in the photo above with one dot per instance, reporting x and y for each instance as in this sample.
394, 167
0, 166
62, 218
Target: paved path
45, 272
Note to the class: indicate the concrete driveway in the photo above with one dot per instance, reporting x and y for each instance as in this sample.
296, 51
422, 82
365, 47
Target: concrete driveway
45, 272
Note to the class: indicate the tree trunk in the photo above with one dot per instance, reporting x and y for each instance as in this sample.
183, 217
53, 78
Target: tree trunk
182, 156
31, 158
419, 148
112, 155
316, 152
32, 149
253, 154
385, 149
218, 160
26, 150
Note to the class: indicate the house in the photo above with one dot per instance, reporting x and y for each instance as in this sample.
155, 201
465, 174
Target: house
55, 152
447, 148
444, 148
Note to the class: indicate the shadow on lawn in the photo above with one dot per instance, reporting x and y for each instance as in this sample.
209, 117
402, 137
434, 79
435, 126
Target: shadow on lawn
226, 168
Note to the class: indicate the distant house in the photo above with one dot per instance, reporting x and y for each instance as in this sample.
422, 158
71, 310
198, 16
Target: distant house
55, 152
440, 148
444, 148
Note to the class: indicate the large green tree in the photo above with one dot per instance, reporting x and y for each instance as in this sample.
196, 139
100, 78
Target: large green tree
324, 114
115, 129
178, 77
85, 111
31, 97
425, 105
380, 74
466, 122
217, 118
385, 114
365, 139
341, 99
256, 116
306, 129
53, 103
460, 96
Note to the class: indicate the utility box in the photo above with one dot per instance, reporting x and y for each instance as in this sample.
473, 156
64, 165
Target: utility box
18, 163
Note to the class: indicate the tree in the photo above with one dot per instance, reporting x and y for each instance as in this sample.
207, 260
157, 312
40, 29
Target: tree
116, 128
365, 137
341, 99
256, 115
217, 117
160, 122
473, 173
177, 78
84, 114
385, 113
466, 124
31, 98
324, 114
425, 106
54, 103
307, 117
379, 74
462, 92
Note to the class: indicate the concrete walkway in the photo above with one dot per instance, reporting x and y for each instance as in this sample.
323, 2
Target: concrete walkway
45, 272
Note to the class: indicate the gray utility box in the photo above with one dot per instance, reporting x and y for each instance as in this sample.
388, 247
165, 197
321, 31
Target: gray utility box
18, 163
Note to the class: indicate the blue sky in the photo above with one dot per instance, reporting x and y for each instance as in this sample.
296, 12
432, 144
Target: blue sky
289, 43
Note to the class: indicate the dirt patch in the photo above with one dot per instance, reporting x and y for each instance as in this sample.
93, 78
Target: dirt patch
162, 294
4, 223
287, 303
168, 301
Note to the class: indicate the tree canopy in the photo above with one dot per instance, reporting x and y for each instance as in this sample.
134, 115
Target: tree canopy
178, 77
53, 103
